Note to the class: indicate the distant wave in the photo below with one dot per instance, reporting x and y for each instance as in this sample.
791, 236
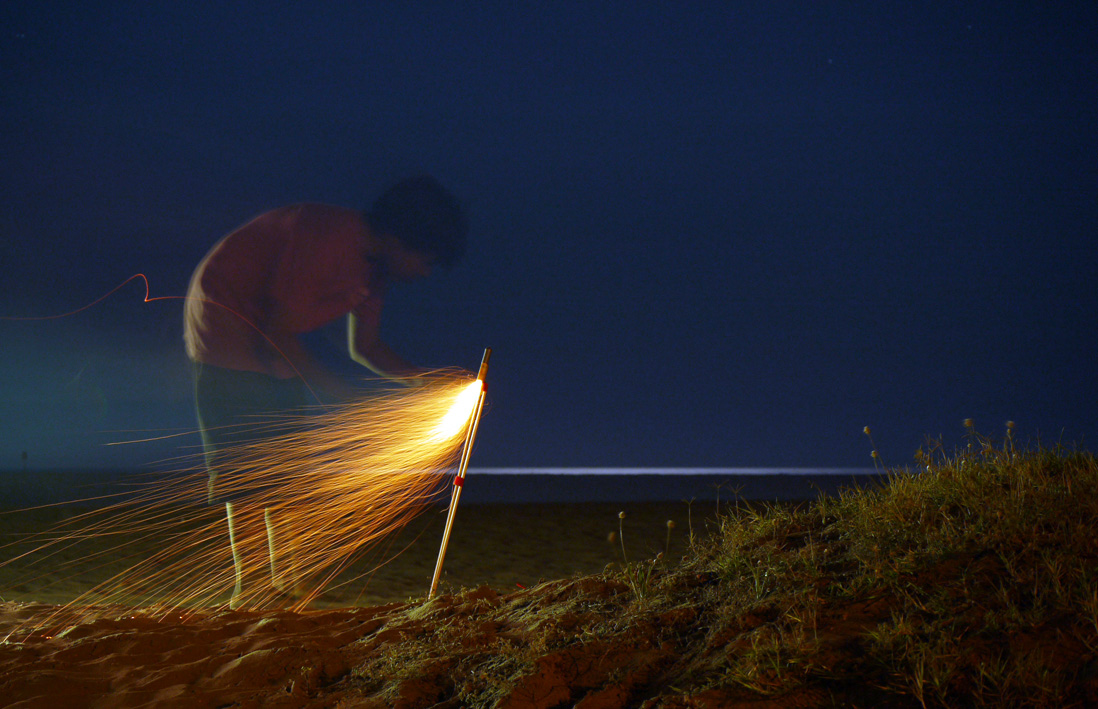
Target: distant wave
672, 471
506, 484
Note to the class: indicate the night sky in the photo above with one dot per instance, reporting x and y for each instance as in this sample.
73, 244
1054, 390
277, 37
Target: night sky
726, 234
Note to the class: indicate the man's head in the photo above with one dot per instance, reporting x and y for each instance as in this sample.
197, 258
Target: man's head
423, 217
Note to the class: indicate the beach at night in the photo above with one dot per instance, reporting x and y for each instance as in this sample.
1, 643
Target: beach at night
792, 323
889, 596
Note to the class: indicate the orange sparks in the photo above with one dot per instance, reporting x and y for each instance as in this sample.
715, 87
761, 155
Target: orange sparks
457, 417
325, 489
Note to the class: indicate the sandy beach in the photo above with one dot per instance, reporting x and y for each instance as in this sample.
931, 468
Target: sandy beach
979, 572
503, 546
217, 657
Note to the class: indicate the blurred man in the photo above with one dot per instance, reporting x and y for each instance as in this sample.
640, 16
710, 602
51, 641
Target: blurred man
285, 273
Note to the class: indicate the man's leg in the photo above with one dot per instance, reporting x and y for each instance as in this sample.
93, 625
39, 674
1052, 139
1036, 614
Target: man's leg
285, 574
238, 558
250, 545
224, 399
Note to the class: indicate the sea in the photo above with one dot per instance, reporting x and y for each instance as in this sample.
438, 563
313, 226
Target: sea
20, 489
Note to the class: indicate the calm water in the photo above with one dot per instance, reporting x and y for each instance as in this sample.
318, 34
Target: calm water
487, 485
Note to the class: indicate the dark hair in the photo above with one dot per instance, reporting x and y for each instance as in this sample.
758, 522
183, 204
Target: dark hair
423, 216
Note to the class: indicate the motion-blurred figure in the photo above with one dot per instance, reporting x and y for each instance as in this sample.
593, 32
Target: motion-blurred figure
285, 273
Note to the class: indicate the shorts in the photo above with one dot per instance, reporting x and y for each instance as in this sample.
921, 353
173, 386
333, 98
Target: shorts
231, 405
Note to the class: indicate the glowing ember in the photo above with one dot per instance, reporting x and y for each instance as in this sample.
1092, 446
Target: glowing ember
455, 420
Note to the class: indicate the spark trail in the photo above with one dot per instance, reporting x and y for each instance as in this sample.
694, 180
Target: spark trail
334, 482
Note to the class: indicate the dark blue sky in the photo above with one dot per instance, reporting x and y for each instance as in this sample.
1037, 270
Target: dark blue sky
726, 234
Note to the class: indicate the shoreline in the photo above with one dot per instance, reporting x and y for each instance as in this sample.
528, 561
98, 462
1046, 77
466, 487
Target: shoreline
21, 490
505, 546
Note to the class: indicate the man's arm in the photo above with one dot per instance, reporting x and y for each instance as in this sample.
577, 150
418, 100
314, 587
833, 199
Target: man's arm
311, 371
278, 328
365, 347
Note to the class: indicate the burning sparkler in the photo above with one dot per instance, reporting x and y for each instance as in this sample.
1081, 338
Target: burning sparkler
338, 483
327, 486
459, 479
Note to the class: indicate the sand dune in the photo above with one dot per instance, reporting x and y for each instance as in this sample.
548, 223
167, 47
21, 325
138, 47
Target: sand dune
128, 657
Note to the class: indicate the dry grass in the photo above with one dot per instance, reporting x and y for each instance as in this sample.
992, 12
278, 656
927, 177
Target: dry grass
971, 581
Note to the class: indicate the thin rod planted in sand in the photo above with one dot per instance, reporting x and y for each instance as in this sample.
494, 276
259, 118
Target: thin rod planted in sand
459, 479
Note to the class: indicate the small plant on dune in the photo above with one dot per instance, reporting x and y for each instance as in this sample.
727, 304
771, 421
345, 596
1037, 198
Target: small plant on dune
762, 666
638, 575
691, 539
873, 454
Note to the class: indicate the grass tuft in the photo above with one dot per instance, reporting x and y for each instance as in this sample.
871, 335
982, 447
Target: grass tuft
971, 580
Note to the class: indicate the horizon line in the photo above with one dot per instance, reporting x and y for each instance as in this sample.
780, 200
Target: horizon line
531, 470
666, 470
